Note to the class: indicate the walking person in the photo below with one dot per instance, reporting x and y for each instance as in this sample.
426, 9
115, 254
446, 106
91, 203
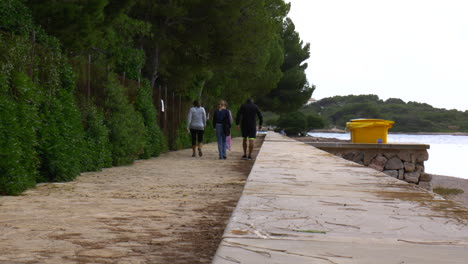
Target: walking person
247, 119
196, 122
221, 123
228, 135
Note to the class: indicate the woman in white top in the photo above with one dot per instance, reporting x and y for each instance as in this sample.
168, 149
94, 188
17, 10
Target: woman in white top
196, 123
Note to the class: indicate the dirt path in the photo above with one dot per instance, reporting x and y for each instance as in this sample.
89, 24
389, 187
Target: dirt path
171, 209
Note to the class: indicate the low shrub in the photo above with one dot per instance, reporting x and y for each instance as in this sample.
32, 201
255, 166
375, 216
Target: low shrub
97, 154
61, 133
18, 123
447, 191
154, 141
127, 130
293, 123
182, 139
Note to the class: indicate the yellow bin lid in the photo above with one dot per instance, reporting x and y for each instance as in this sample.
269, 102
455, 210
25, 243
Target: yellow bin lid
362, 122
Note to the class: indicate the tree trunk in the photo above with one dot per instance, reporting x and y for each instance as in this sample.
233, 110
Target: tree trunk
155, 74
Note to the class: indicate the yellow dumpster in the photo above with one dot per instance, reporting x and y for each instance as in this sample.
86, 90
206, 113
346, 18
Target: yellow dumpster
369, 130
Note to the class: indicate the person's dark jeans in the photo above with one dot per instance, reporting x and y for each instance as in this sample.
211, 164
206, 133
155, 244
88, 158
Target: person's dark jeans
221, 137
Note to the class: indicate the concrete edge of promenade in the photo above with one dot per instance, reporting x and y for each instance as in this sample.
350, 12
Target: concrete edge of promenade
304, 205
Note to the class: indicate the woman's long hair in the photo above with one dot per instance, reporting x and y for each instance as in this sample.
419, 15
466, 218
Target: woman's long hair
221, 103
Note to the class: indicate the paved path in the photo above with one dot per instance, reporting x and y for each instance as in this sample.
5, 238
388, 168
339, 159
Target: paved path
171, 209
303, 205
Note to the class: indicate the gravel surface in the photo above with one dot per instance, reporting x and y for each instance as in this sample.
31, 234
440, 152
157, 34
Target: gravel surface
172, 209
453, 183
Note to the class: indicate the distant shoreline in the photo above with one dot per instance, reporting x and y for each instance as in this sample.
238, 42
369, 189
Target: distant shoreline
337, 131
432, 133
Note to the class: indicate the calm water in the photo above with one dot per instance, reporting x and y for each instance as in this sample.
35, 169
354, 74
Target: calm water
447, 154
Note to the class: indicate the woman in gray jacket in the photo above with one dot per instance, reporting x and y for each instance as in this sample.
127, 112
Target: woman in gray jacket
196, 122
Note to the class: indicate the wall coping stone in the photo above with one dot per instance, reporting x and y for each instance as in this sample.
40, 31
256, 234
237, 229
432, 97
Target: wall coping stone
346, 145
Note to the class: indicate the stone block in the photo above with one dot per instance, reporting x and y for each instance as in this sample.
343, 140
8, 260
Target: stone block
378, 163
412, 177
394, 164
359, 157
389, 155
401, 174
419, 168
425, 185
369, 156
409, 167
349, 156
393, 173
405, 156
376, 167
421, 156
425, 177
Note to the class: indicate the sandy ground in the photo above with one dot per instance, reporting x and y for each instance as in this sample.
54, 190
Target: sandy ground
453, 183
171, 209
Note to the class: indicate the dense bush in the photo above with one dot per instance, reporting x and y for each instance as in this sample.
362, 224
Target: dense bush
154, 141
209, 135
97, 153
18, 120
293, 123
15, 17
182, 138
314, 121
61, 133
126, 126
42, 106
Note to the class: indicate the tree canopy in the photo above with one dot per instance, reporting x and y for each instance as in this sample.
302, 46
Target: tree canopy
212, 48
408, 116
292, 90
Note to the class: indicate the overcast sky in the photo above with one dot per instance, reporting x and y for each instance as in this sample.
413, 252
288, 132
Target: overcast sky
416, 50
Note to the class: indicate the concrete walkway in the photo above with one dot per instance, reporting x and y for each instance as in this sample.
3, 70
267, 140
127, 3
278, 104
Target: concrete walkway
303, 205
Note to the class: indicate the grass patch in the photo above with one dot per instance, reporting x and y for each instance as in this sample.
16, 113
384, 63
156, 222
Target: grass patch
312, 231
447, 191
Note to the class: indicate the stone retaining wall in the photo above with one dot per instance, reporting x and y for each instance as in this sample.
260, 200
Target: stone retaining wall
401, 161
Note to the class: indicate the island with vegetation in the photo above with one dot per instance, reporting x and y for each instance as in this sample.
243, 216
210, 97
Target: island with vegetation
334, 112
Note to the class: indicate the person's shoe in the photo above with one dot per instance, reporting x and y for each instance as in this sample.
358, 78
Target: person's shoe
244, 157
249, 158
200, 153
224, 157
220, 158
193, 155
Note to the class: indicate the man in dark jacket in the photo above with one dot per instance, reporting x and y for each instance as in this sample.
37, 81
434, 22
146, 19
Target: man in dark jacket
247, 119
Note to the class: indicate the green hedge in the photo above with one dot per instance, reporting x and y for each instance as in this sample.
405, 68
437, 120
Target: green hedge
182, 139
97, 153
155, 142
15, 17
127, 130
44, 135
18, 120
61, 134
